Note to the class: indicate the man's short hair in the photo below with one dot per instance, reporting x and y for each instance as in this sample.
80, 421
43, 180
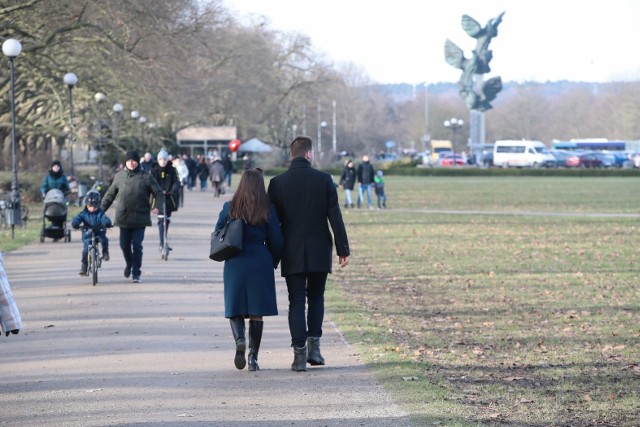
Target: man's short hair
300, 146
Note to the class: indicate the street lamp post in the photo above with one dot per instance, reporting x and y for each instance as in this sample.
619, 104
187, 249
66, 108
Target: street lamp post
135, 114
117, 112
453, 124
11, 49
321, 124
71, 80
99, 98
152, 133
333, 130
142, 120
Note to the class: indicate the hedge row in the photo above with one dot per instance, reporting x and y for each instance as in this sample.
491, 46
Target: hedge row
473, 171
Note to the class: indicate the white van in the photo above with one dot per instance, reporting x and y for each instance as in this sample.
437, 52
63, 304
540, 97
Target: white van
522, 154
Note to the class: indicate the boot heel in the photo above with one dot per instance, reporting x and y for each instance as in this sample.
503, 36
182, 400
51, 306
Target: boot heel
255, 337
299, 359
237, 327
239, 360
314, 357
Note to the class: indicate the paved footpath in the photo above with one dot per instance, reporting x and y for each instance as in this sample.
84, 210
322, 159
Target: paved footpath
160, 353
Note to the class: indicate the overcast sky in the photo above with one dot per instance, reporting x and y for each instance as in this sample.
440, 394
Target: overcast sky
402, 41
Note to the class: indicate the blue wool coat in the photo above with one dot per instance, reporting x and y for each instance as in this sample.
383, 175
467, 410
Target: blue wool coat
249, 279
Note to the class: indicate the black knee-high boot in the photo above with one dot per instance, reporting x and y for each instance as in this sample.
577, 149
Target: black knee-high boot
237, 327
255, 336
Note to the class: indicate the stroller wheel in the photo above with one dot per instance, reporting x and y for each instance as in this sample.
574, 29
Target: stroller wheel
41, 236
67, 237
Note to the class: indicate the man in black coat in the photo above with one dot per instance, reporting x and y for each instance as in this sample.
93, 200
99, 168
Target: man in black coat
305, 199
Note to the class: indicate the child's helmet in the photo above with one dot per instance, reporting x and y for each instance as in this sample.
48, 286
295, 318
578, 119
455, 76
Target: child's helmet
93, 199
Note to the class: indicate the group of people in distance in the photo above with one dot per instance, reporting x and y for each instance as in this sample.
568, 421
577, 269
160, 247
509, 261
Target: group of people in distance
366, 177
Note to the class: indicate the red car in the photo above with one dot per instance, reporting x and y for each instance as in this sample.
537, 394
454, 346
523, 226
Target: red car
450, 158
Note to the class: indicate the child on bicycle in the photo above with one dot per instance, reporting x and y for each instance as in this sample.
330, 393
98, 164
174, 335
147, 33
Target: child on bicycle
92, 217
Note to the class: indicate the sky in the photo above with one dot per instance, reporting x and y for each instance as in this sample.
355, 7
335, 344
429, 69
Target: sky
402, 41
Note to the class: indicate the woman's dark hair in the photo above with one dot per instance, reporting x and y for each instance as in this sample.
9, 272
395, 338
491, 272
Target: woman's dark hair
250, 201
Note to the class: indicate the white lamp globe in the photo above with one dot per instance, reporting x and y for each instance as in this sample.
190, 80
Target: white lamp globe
70, 79
11, 48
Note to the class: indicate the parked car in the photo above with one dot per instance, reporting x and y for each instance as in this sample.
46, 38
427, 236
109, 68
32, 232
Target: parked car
623, 159
566, 159
449, 159
608, 159
596, 159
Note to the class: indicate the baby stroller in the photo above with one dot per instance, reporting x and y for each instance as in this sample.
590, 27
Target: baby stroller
55, 212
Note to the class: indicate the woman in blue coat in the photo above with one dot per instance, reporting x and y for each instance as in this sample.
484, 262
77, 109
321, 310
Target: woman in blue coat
249, 282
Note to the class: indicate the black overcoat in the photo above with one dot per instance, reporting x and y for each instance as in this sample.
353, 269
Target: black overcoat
307, 203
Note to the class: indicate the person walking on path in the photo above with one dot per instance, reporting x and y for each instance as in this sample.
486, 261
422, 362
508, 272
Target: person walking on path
192, 166
167, 178
378, 181
183, 176
132, 189
365, 181
228, 169
92, 218
216, 174
348, 181
202, 170
147, 163
305, 199
249, 281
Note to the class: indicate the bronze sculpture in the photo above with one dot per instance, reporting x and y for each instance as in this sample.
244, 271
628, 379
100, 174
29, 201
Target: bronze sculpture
475, 98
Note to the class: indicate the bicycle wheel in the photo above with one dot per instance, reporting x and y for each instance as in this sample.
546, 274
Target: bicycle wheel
93, 265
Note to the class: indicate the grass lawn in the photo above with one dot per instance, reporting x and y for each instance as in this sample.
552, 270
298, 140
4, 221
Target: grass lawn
498, 301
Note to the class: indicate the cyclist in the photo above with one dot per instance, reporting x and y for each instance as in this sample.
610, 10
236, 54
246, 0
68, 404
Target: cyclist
92, 217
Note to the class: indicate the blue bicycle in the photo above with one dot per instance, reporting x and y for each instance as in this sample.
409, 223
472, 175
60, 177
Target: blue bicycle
94, 257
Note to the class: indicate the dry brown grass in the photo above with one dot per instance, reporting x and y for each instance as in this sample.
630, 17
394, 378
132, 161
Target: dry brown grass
499, 319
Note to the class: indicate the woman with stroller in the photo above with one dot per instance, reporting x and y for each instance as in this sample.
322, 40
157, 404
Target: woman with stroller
249, 280
167, 178
55, 178
92, 218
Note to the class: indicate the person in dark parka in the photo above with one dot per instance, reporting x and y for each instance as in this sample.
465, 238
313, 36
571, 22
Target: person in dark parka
133, 189
55, 178
249, 282
305, 199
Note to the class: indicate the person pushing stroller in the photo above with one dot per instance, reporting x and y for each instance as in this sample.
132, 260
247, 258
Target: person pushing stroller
92, 217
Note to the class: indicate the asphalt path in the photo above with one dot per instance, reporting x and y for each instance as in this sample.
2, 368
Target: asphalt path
160, 353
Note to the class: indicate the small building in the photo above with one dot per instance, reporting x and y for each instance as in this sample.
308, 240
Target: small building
204, 139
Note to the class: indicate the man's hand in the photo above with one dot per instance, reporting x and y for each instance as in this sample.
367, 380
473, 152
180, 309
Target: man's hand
155, 211
343, 261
